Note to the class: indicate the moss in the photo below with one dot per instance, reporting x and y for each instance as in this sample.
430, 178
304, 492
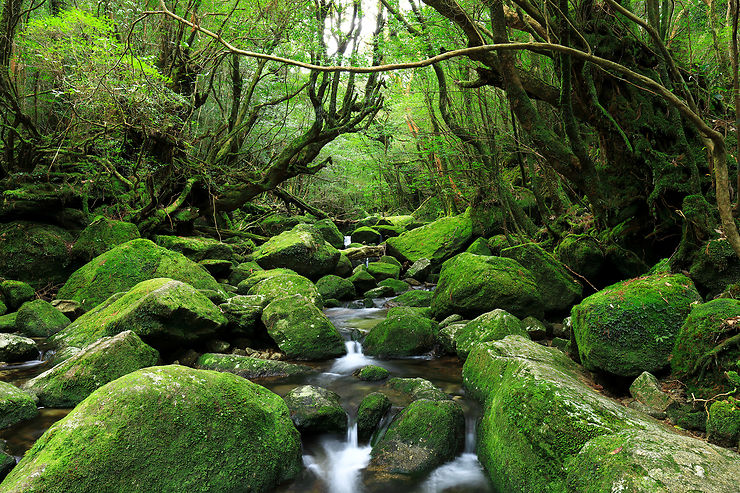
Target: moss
707, 325
16, 293
285, 285
403, 333
243, 313
38, 318
335, 287
363, 281
662, 267
379, 292
490, 326
479, 247
470, 285
417, 388
15, 405
437, 241
163, 312
101, 235
723, 423
558, 290
366, 236
247, 367
128, 264
582, 253
329, 231
390, 260
371, 412
301, 330
414, 298
397, 286
179, 419
242, 271
316, 410
344, 266
715, 265
372, 373
15, 348
305, 252
383, 270
7, 322
278, 223
631, 326
70, 382
389, 231
43, 246
260, 275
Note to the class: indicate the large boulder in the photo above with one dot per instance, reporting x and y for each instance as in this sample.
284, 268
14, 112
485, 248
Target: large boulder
490, 326
558, 290
334, 287
631, 326
316, 410
383, 270
437, 241
71, 381
259, 275
38, 318
543, 428
366, 235
160, 429
371, 412
329, 231
583, 254
15, 405
196, 248
128, 264
286, 285
301, 330
305, 252
417, 388
15, 293
243, 313
403, 333
42, 246
242, 271
471, 285
101, 235
165, 313
248, 367
17, 348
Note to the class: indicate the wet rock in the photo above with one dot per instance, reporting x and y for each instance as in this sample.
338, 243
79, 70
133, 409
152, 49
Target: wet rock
372, 373
371, 412
250, 367
447, 334
15, 405
414, 298
403, 333
70, 308
38, 318
329, 231
363, 281
417, 388
332, 286
490, 326
379, 292
452, 319
282, 286
397, 286
420, 269
437, 241
383, 270
304, 252
14, 348
316, 410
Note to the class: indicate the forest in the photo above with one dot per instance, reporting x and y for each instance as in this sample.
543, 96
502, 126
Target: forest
360, 246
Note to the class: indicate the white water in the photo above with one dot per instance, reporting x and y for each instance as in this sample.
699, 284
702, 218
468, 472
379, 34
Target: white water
343, 461
353, 360
347, 241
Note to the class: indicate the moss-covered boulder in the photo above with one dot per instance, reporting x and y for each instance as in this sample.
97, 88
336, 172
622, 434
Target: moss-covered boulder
383, 270
243, 313
249, 367
471, 285
631, 326
479, 247
242, 271
363, 281
42, 246
7, 322
128, 264
423, 436
196, 248
71, 381
703, 346
15, 348
179, 419
305, 252
417, 388
558, 290
582, 253
275, 224
371, 412
646, 390
403, 333
329, 231
15, 293
332, 286
344, 266
258, 276
15, 405
715, 266
316, 410
101, 235
379, 292
535, 329
397, 286
420, 269
366, 236
301, 330
387, 231
723, 423
419, 298
437, 241
371, 373
286, 285
490, 326
165, 313
38, 318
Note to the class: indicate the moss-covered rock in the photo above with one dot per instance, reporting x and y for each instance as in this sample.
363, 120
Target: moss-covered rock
397, 286
42, 246
646, 390
723, 423
715, 266
101, 235
258, 276
7, 322
479, 247
423, 436
558, 290
344, 266
437, 241
15, 405
165, 313
474, 284
366, 236
249, 367
7, 463
403, 333
286, 285
305, 252
582, 253
179, 419
379, 292
15, 348
275, 224
242, 271
417, 388
490, 326
372, 373
301, 330
371, 412
535, 329
329, 231
128, 264
332, 286
243, 313
387, 231
38, 318
420, 269
383, 270
316, 410
70, 382
196, 248
446, 337
631, 326
15, 293
363, 281
694, 352
390, 260
415, 297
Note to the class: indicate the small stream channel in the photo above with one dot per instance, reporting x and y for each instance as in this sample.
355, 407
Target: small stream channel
333, 463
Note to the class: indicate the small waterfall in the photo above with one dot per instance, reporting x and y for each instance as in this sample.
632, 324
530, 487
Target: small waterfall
343, 461
353, 360
347, 241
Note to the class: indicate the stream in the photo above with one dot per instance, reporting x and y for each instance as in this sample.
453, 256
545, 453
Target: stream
333, 463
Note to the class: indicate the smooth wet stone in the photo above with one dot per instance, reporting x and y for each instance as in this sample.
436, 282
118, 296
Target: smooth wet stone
417, 388
372, 373
316, 410
249, 367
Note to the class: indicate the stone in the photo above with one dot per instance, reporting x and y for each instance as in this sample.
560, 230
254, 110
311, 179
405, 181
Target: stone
316, 410
363, 281
69, 308
646, 389
180, 419
344, 266
397, 286
242, 271
15, 406
243, 313
14, 348
417, 388
101, 235
248, 367
420, 269
403, 333
419, 298
38, 318
490, 326
329, 231
371, 373
260, 275
371, 412
332, 286
479, 247
71, 381
305, 252
379, 292
447, 334
383, 270
366, 236
284, 286
723, 423
197, 248
220, 269
535, 329
583, 254
15, 293
43, 246
437, 241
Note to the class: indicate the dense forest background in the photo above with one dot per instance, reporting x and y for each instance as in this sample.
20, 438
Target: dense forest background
617, 119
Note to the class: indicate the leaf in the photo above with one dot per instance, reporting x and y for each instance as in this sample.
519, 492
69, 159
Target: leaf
615, 451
